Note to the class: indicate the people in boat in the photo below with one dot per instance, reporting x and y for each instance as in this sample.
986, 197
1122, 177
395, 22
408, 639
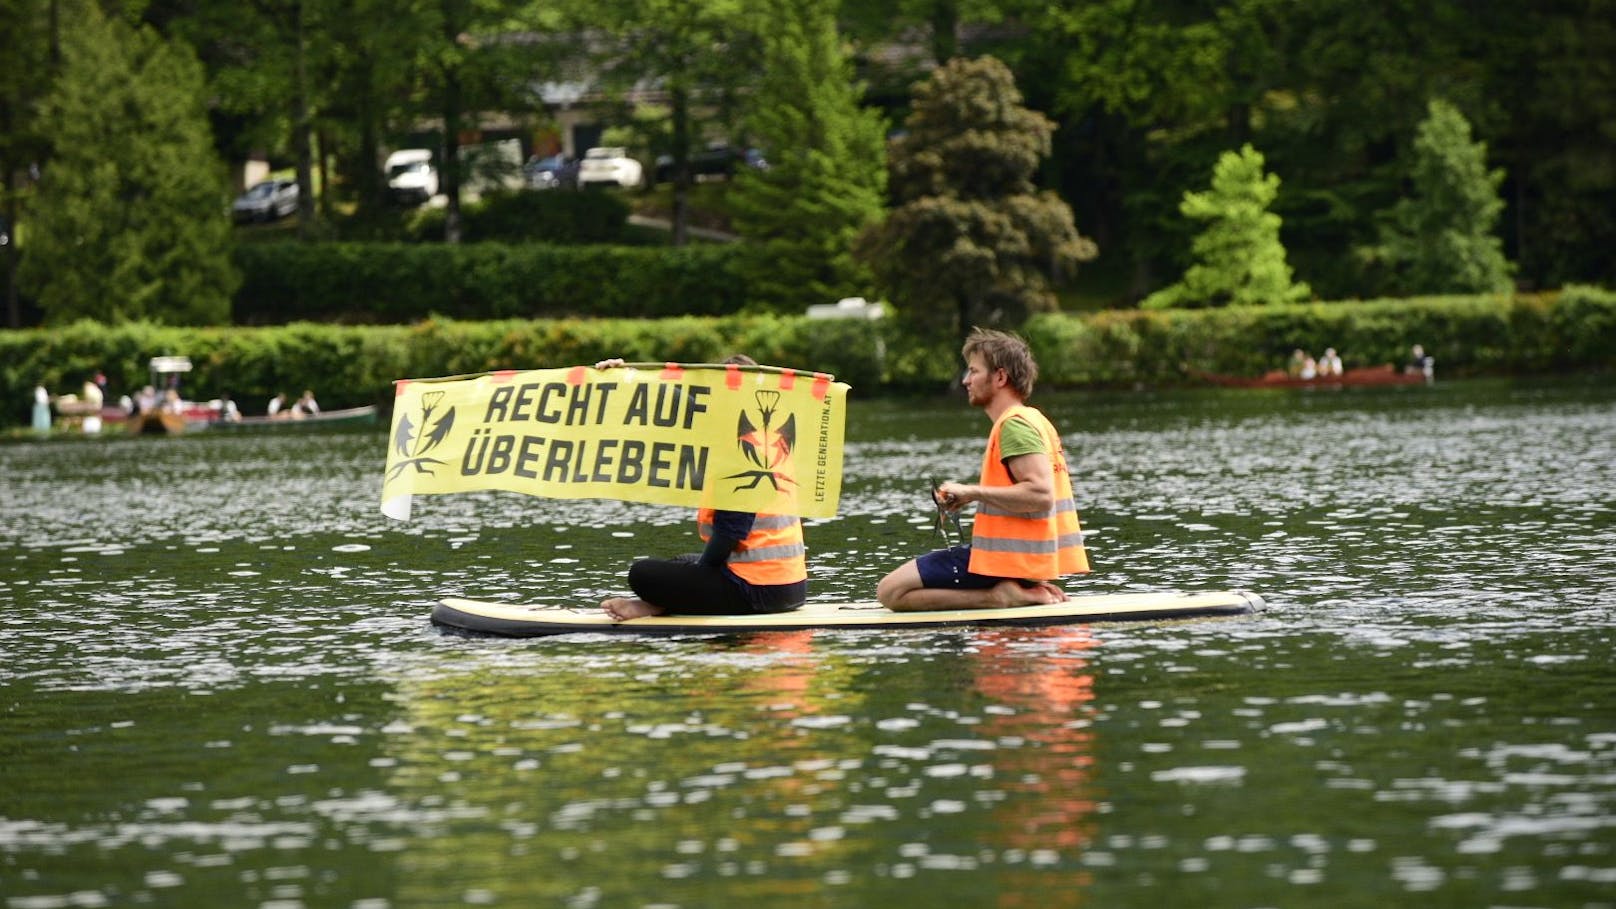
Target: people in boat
93, 396
1419, 363
1302, 365
228, 411
750, 563
305, 406
1330, 363
146, 401
171, 402
276, 405
1026, 534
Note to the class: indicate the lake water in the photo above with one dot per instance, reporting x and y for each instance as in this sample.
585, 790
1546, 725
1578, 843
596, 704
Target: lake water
220, 688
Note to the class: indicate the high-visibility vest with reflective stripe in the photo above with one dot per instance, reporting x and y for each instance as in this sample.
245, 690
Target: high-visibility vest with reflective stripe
1039, 546
772, 554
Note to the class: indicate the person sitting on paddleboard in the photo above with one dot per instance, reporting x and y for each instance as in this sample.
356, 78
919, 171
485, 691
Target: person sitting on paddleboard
752, 563
1026, 533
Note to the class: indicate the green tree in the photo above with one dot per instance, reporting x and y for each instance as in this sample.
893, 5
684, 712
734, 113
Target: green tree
971, 240
28, 30
1149, 91
702, 53
1239, 257
262, 58
131, 217
882, 21
1441, 238
826, 178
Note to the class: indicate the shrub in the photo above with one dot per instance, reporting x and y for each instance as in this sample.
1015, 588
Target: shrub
399, 282
1574, 329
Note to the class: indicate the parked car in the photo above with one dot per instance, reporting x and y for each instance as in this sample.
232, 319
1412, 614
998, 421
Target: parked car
719, 162
411, 176
610, 165
270, 200
553, 172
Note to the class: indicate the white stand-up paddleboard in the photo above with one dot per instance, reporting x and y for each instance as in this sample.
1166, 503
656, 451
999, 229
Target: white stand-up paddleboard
517, 620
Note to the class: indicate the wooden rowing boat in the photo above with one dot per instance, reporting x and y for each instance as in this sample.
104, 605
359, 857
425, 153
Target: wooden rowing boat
1361, 376
325, 419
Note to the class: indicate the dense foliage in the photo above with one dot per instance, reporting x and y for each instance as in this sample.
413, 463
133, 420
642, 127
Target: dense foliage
130, 221
826, 175
970, 239
1239, 259
405, 282
1440, 239
1574, 330
1149, 91
1145, 95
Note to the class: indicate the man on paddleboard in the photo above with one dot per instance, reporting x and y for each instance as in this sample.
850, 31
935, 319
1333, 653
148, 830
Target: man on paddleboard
1026, 532
752, 563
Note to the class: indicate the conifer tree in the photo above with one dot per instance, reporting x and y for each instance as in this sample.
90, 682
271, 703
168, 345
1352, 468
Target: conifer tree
1239, 257
131, 220
826, 175
971, 240
1441, 239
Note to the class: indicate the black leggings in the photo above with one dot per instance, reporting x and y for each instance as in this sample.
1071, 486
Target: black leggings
681, 585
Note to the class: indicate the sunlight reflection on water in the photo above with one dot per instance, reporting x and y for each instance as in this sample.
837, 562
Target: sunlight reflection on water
1423, 708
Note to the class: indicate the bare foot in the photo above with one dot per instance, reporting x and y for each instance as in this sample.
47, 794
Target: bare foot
1011, 593
1052, 590
624, 608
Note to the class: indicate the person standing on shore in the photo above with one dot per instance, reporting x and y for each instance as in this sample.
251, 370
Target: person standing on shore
42, 410
1026, 533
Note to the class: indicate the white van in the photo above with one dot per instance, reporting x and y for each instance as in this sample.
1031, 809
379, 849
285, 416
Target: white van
412, 178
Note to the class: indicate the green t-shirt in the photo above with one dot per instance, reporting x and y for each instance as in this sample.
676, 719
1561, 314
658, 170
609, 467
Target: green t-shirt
1018, 437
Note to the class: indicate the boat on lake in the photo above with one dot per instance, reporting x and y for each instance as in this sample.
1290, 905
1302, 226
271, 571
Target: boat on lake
171, 414
1360, 376
188, 416
351, 416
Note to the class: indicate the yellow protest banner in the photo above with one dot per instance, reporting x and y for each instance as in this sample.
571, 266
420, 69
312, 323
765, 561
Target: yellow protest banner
742, 438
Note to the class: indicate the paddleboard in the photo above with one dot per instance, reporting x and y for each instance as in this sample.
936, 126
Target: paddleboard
518, 620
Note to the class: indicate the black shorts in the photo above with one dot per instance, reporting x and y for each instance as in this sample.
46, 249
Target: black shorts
684, 586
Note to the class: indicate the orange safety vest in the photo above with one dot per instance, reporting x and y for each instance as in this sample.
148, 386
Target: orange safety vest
1039, 546
772, 554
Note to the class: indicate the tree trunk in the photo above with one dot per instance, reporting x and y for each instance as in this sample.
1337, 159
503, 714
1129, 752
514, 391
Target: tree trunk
8, 253
302, 132
680, 99
368, 185
944, 31
449, 172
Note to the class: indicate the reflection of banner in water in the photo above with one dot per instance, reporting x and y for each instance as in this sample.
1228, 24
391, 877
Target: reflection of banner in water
735, 437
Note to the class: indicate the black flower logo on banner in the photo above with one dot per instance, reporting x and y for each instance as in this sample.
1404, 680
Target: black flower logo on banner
414, 448
765, 447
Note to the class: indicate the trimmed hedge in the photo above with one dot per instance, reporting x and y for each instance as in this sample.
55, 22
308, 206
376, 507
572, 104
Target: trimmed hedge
1569, 331
391, 283
1565, 331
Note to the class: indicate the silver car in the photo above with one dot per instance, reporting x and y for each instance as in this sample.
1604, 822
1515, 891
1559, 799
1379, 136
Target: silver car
270, 200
